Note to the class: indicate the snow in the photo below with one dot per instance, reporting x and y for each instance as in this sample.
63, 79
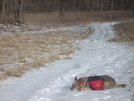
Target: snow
98, 56
26, 29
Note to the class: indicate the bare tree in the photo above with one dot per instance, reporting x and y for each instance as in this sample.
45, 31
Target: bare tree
112, 5
12, 11
19, 7
0, 6
77, 5
62, 7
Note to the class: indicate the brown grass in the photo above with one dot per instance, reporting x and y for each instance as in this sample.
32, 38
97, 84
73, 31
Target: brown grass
70, 18
125, 32
22, 52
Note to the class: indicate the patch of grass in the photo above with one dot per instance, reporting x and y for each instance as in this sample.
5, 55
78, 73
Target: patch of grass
23, 52
125, 32
3, 77
70, 18
66, 51
16, 72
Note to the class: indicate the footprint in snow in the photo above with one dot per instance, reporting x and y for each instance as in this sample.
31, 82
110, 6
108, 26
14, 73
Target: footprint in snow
37, 98
78, 94
118, 74
97, 99
46, 90
106, 92
56, 91
107, 67
119, 67
110, 71
107, 97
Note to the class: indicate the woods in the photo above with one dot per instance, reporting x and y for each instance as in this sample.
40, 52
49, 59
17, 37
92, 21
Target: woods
12, 11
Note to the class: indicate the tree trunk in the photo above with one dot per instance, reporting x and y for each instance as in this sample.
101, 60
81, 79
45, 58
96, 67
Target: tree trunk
20, 11
101, 7
52, 5
55, 5
93, 5
112, 4
4, 10
12, 11
87, 5
62, 7
77, 5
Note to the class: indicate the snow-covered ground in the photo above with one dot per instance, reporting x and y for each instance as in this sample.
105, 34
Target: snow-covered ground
98, 56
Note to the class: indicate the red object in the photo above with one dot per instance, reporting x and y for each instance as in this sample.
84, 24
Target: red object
96, 83
81, 85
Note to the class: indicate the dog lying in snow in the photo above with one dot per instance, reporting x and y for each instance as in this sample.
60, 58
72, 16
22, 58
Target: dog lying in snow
83, 83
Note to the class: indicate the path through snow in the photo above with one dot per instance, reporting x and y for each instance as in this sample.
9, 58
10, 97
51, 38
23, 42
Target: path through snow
97, 57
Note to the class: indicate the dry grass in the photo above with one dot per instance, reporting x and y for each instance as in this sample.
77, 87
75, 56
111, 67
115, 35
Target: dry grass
23, 52
125, 32
70, 18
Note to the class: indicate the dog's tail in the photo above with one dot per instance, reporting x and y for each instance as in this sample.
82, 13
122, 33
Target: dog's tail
120, 85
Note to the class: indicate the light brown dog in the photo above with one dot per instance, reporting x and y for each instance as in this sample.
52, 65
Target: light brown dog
83, 84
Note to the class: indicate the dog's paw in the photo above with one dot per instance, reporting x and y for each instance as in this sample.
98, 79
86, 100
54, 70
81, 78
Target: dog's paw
79, 89
84, 88
123, 85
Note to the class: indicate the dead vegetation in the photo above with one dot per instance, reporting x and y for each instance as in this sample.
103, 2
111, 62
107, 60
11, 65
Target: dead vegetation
125, 32
22, 52
71, 18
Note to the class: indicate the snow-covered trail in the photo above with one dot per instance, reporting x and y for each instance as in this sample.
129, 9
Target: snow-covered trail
97, 57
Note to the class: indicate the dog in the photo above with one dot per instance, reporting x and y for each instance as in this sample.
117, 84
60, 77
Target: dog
82, 84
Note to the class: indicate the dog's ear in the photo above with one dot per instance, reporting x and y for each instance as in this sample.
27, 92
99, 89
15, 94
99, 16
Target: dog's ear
75, 79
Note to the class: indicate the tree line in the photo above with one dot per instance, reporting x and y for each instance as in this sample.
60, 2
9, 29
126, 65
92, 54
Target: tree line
12, 11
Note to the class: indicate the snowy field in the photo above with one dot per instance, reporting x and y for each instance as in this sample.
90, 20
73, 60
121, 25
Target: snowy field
98, 56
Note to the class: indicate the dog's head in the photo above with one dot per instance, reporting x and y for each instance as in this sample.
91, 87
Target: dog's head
76, 84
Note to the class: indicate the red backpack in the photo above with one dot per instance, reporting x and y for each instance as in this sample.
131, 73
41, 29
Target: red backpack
96, 82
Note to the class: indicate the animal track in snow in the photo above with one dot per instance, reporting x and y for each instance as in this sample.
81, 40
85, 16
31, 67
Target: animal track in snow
107, 97
110, 71
106, 92
78, 94
96, 99
46, 90
107, 67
